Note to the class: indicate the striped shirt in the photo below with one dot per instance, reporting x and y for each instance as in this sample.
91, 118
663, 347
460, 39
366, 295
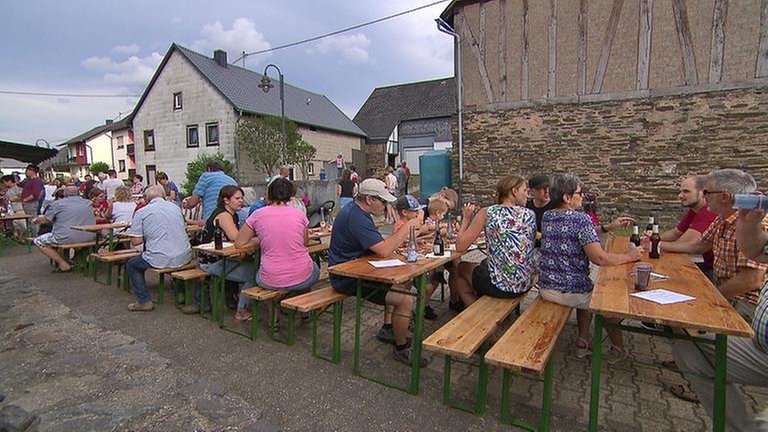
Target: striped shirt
721, 235
208, 187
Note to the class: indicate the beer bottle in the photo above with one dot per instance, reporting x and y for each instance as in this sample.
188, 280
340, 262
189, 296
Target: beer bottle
412, 254
655, 243
649, 227
218, 237
439, 247
634, 239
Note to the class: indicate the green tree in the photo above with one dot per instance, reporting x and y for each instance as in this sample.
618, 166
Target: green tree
260, 139
301, 153
99, 167
196, 168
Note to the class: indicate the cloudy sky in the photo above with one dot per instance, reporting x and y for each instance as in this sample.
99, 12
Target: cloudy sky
78, 47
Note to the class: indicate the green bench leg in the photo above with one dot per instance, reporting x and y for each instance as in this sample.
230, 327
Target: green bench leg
94, 268
546, 400
336, 349
161, 289
273, 325
481, 391
255, 310
109, 274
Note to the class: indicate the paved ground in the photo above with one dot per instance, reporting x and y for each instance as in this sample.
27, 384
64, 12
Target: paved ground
73, 358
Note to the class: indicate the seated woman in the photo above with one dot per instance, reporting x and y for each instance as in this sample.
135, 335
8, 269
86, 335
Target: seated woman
229, 202
122, 206
510, 232
569, 242
99, 204
282, 236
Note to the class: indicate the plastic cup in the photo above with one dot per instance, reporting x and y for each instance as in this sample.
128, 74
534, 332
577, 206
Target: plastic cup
642, 273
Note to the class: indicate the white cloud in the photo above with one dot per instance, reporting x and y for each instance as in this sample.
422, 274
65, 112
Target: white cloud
126, 49
134, 71
353, 48
177, 20
243, 36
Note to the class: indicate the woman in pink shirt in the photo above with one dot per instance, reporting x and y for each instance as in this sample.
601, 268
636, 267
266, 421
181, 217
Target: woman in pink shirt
282, 232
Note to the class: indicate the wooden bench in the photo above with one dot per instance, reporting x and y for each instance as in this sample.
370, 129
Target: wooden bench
258, 295
113, 258
527, 347
188, 277
467, 334
80, 261
167, 270
316, 302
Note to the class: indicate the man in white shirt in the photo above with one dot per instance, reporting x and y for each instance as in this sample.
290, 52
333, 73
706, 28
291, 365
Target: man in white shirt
110, 184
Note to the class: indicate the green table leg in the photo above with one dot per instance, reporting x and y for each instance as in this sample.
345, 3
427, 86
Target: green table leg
358, 313
109, 273
597, 348
418, 332
721, 351
546, 398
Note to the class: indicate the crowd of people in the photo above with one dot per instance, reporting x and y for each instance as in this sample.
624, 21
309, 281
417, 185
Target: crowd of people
537, 234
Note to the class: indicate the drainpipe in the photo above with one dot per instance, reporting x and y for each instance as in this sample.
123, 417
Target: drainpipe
237, 142
444, 27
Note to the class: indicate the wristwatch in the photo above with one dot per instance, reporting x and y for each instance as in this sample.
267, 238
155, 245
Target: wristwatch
765, 250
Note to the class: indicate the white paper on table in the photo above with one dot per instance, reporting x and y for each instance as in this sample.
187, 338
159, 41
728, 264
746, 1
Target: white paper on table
657, 277
452, 247
387, 263
447, 254
662, 296
212, 245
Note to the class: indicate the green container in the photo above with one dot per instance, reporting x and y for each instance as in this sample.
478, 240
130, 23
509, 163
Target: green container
434, 171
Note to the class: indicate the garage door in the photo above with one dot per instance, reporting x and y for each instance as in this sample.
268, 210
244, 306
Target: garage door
415, 146
411, 157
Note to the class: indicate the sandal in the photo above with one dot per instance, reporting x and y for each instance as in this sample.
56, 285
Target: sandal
59, 270
583, 348
684, 392
243, 315
141, 307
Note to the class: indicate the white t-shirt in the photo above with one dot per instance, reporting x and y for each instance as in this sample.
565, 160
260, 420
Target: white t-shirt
109, 185
122, 211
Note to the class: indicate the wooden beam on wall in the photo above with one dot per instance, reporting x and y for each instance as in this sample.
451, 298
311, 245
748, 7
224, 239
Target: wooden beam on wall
762, 51
481, 31
582, 67
524, 73
605, 52
503, 51
552, 73
644, 44
686, 42
467, 35
718, 41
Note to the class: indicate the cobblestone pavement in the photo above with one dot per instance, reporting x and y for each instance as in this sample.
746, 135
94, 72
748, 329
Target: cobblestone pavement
88, 364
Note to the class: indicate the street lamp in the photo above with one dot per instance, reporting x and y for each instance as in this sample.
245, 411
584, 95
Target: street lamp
266, 85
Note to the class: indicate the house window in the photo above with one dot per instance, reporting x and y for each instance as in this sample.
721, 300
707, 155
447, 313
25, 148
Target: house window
149, 140
212, 134
131, 173
177, 101
121, 165
80, 151
151, 171
311, 168
120, 142
193, 137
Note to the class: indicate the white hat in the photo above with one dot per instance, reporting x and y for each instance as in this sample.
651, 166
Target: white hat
374, 187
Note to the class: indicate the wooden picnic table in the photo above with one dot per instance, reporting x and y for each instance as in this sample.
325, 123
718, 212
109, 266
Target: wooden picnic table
708, 312
361, 269
13, 238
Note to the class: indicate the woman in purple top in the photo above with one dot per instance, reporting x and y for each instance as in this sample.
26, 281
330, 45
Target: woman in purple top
569, 243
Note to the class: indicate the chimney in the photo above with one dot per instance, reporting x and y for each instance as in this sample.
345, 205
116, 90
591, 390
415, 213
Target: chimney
108, 122
220, 57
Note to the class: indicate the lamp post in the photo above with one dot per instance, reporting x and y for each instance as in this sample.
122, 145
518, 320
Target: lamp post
266, 85
447, 29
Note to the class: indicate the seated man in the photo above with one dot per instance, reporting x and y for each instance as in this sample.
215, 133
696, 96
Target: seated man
161, 227
747, 361
354, 235
695, 222
72, 210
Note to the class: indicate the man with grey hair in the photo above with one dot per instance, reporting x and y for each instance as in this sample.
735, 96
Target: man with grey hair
160, 226
72, 210
737, 277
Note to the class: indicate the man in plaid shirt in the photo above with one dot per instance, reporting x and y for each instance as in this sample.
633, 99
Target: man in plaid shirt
747, 361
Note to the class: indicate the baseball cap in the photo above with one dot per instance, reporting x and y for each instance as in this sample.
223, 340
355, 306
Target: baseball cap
407, 202
375, 187
538, 181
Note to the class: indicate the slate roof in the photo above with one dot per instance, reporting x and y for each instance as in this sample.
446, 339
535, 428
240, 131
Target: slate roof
87, 134
239, 86
388, 106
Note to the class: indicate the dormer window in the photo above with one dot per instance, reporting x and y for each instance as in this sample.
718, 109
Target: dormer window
177, 101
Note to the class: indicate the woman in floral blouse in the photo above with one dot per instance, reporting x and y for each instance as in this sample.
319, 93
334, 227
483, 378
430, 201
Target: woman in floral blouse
510, 232
569, 243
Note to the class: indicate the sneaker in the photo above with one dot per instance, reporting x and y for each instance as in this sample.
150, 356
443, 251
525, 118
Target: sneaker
386, 335
190, 309
404, 356
429, 313
141, 307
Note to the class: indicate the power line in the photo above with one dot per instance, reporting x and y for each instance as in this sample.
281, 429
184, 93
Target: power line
292, 44
73, 95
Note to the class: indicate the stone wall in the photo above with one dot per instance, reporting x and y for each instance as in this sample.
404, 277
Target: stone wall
631, 152
374, 160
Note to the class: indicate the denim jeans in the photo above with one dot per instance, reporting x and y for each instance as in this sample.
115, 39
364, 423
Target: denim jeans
136, 267
237, 271
343, 201
301, 286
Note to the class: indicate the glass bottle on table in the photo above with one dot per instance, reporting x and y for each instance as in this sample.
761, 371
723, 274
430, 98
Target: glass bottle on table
218, 236
655, 251
411, 254
634, 239
438, 248
649, 227
322, 218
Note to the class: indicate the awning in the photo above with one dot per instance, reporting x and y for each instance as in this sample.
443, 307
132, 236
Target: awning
25, 152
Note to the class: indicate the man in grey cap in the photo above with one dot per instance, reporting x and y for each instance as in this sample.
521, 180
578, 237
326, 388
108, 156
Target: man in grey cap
355, 235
